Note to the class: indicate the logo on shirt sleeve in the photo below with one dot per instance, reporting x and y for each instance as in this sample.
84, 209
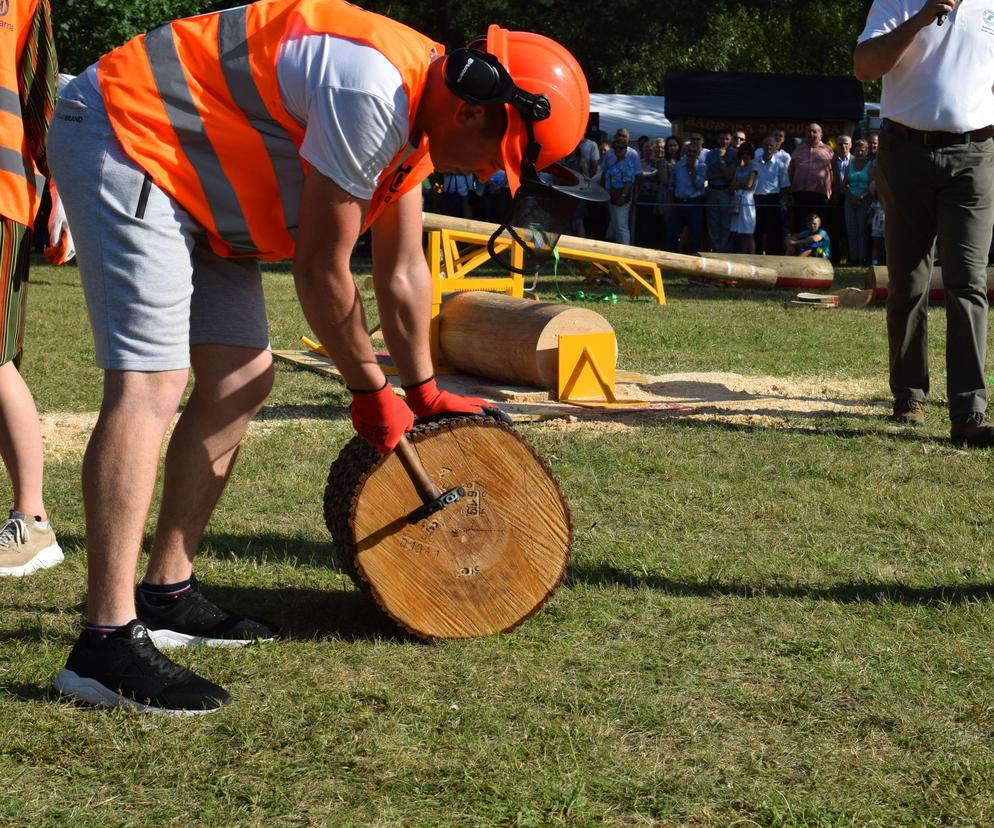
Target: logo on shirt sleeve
988, 24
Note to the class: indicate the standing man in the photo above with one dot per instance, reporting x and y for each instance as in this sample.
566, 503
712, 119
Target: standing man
812, 177
688, 183
835, 221
28, 77
935, 174
619, 182
721, 162
772, 185
633, 164
279, 129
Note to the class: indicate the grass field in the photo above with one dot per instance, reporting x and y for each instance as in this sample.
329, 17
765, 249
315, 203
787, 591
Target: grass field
784, 626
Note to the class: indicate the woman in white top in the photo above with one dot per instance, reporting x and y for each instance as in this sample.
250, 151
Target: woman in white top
743, 187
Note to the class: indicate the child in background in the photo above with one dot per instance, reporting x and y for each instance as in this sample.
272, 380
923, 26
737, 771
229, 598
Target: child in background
812, 241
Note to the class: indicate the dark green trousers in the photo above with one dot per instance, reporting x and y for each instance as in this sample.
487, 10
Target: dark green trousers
947, 192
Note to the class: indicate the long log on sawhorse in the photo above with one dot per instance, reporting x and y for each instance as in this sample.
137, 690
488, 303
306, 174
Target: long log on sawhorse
721, 270
454, 254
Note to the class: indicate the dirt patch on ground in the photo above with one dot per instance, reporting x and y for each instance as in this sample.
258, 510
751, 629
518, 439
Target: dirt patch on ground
765, 402
66, 434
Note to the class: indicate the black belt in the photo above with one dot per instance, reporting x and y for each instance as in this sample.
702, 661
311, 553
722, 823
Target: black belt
937, 138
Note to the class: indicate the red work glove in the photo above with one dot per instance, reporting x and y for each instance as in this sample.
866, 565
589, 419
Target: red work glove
380, 417
426, 399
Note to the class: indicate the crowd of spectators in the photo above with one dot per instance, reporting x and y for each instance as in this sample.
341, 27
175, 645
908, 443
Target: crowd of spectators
726, 192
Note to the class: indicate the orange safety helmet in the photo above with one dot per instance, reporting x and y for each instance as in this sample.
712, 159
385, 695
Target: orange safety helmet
542, 88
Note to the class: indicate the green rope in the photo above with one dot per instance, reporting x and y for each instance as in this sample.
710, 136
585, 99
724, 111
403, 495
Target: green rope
538, 237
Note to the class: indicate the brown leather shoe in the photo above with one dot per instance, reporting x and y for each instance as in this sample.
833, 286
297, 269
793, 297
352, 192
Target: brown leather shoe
972, 430
909, 412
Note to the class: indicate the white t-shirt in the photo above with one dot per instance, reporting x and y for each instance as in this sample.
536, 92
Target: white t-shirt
351, 101
943, 81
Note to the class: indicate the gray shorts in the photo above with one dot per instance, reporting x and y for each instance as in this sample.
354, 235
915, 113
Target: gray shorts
153, 286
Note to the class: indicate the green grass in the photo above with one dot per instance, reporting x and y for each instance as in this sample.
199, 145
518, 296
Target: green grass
783, 626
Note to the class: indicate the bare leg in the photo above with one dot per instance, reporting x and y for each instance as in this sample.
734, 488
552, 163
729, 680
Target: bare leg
119, 470
20, 442
231, 386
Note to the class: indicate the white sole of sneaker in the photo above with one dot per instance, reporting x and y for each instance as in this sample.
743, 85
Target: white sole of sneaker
93, 692
48, 557
170, 639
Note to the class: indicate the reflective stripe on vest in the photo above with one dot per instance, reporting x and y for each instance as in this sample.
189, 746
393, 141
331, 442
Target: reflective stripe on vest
196, 103
186, 122
233, 49
10, 101
21, 184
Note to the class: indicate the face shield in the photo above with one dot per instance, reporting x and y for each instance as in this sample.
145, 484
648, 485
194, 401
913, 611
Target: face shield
540, 212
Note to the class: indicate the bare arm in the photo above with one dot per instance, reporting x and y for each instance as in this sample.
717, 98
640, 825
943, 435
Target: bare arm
875, 57
403, 287
330, 221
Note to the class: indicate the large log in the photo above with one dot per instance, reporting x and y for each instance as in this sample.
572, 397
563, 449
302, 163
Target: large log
804, 272
480, 565
878, 280
746, 274
508, 339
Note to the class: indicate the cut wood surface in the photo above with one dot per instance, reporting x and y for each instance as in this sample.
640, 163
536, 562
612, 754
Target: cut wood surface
792, 271
723, 270
479, 566
878, 280
508, 339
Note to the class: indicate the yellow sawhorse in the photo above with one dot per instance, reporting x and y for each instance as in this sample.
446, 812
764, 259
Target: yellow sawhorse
634, 275
453, 254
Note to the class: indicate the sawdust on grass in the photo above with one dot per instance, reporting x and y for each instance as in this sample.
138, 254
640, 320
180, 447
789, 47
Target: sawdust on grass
763, 401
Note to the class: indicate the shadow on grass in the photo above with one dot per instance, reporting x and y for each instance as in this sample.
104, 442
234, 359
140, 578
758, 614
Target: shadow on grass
30, 692
878, 429
269, 549
307, 614
284, 411
845, 593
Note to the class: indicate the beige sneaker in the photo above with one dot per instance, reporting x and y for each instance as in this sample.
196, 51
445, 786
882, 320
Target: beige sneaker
26, 548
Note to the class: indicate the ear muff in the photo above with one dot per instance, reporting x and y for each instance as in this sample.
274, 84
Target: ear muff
477, 77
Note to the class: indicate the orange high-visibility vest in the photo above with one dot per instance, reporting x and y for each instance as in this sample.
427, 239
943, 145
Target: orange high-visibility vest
21, 183
196, 104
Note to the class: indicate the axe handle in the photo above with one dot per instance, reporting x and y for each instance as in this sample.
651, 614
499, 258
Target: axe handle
412, 464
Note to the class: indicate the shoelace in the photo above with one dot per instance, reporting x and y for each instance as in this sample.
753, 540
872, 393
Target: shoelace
205, 606
13, 533
148, 654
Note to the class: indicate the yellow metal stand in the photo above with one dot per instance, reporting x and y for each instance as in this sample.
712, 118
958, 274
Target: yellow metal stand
587, 371
449, 264
632, 274
452, 254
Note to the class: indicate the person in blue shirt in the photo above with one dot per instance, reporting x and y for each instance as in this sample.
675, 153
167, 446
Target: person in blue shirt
812, 240
688, 183
618, 181
721, 163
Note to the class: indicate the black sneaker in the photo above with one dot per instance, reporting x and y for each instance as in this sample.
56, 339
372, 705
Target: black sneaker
125, 670
192, 620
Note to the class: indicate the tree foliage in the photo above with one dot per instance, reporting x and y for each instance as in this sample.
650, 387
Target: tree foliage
628, 45
625, 46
